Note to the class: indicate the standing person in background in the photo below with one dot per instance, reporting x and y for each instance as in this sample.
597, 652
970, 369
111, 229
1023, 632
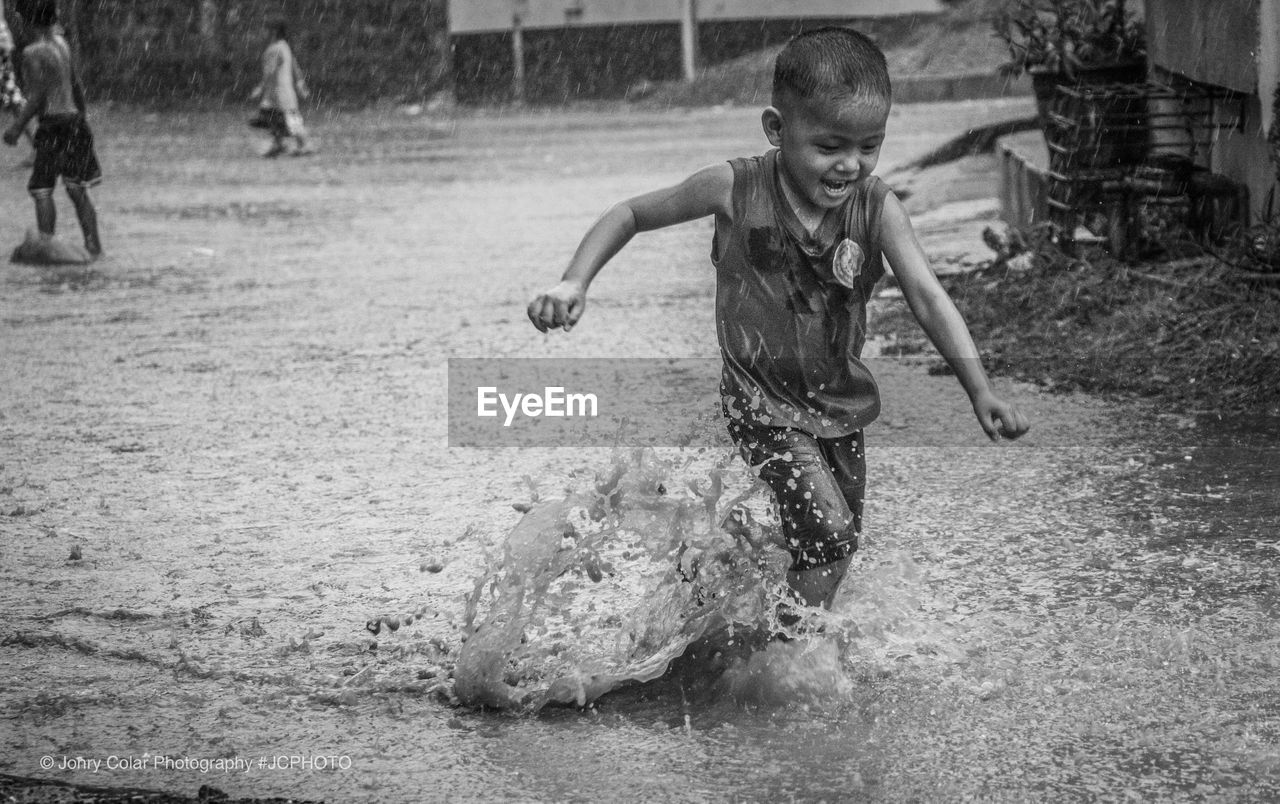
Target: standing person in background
10, 95
277, 95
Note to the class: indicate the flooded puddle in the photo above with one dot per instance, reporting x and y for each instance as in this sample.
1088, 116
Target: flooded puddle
1118, 635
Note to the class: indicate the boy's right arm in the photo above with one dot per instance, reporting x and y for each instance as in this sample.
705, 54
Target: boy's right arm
706, 192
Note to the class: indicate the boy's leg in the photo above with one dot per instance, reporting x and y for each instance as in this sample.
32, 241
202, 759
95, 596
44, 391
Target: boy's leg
80, 172
818, 586
293, 120
88, 217
846, 459
44, 177
279, 132
819, 526
46, 211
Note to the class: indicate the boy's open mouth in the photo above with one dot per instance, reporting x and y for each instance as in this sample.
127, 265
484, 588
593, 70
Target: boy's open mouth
834, 187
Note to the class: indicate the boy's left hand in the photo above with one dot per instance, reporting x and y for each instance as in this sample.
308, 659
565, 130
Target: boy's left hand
999, 418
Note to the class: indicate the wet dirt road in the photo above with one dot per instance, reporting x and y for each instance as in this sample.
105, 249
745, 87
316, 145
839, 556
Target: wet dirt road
237, 423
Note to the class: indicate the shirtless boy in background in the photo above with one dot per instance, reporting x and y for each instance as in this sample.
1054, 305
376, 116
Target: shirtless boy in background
64, 143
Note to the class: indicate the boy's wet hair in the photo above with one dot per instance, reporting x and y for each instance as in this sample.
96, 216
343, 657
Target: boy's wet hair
40, 13
834, 62
278, 28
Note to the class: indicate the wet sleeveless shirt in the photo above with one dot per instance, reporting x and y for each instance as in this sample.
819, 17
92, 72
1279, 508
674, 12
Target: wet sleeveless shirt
791, 308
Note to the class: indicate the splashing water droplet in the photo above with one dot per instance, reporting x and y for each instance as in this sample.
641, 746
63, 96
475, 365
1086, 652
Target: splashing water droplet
686, 562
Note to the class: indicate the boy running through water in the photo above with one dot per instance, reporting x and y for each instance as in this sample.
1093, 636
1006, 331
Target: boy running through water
799, 235
64, 143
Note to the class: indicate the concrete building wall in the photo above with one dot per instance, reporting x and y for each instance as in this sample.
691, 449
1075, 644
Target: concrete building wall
488, 16
1232, 45
606, 46
1208, 40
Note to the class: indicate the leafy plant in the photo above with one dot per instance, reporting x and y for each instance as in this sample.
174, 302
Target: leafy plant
1063, 36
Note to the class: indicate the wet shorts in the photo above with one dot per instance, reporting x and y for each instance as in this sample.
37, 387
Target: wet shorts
818, 483
64, 147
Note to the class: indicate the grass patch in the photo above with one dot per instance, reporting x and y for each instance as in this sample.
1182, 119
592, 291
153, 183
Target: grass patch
1200, 333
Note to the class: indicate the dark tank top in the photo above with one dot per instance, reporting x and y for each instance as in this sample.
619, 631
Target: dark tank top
791, 308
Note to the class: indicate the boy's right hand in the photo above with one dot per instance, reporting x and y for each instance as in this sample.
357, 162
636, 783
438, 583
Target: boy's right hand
1000, 419
561, 306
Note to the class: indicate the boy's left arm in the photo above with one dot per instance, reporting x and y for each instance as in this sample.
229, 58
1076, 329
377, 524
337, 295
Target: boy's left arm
942, 322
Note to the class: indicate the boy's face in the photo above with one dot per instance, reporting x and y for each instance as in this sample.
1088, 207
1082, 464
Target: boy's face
826, 145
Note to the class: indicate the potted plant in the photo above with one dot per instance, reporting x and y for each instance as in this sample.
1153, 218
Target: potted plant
1072, 42
1082, 43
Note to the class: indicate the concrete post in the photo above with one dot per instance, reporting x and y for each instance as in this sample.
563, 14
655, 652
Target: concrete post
689, 38
517, 55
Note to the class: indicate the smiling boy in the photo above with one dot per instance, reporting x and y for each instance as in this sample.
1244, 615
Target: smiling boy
800, 233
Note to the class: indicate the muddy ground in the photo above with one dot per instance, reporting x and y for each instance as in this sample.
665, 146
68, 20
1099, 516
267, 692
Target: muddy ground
223, 449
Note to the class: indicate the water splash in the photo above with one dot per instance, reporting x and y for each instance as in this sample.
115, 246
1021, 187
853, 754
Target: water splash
795, 672
668, 560
660, 558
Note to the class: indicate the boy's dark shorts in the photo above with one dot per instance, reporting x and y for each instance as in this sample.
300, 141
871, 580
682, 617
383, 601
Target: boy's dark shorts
64, 147
819, 484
